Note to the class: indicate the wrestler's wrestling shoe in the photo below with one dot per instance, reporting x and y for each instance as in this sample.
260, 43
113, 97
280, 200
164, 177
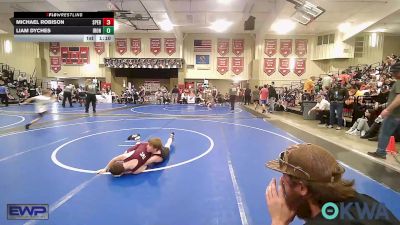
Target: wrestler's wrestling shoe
135, 137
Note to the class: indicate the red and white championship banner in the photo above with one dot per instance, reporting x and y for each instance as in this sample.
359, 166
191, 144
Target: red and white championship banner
222, 65
155, 45
55, 47
300, 66
238, 46
271, 46
300, 47
237, 65
285, 47
121, 45
136, 45
55, 63
99, 47
269, 66
284, 66
170, 45
223, 46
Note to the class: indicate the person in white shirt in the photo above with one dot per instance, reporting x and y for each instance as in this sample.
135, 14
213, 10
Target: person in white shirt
322, 109
41, 102
327, 80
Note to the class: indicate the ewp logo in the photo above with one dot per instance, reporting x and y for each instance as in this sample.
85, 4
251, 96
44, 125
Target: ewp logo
27, 212
354, 211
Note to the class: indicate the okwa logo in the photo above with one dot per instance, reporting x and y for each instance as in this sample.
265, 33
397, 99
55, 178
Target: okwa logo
354, 211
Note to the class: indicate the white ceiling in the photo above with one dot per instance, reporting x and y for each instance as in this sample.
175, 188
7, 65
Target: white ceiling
194, 16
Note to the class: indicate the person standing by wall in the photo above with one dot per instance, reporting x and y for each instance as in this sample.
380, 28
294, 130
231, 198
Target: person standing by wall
175, 93
272, 97
256, 97
264, 94
232, 95
3, 93
247, 95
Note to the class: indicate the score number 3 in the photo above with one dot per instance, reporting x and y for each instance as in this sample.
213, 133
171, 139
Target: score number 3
108, 21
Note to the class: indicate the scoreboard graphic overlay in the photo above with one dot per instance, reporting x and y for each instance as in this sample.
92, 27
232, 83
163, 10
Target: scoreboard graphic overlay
64, 26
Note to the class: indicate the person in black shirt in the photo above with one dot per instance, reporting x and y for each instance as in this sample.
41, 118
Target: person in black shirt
312, 185
337, 96
272, 97
247, 95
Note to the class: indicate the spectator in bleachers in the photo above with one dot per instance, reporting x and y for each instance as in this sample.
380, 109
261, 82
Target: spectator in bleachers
327, 80
309, 89
391, 115
363, 124
337, 96
322, 109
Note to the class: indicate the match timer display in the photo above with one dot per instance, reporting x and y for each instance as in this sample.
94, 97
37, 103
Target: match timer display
64, 26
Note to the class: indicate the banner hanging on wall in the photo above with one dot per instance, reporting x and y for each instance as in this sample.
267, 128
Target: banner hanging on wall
237, 65
284, 66
300, 66
300, 47
223, 46
155, 45
269, 66
136, 46
270, 47
55, 63
238, 46
55, 47
121, 45
99, 47
285, 47
222, 65
164, 63
170, 45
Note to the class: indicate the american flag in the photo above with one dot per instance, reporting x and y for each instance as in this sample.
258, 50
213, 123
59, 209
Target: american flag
202, 45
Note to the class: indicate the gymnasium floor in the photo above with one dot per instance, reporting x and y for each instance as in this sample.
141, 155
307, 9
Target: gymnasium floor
215, 174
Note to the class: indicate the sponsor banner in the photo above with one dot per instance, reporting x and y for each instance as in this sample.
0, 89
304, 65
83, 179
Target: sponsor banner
55, 63
170, 45
144, 63
136, 46
237, 65
121, 45
223, 46
269, 66
300, 47
270, 47
222, 65
55, 47
99, 47
285, 47
238, 46
284, 66
155, 45
300, 66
